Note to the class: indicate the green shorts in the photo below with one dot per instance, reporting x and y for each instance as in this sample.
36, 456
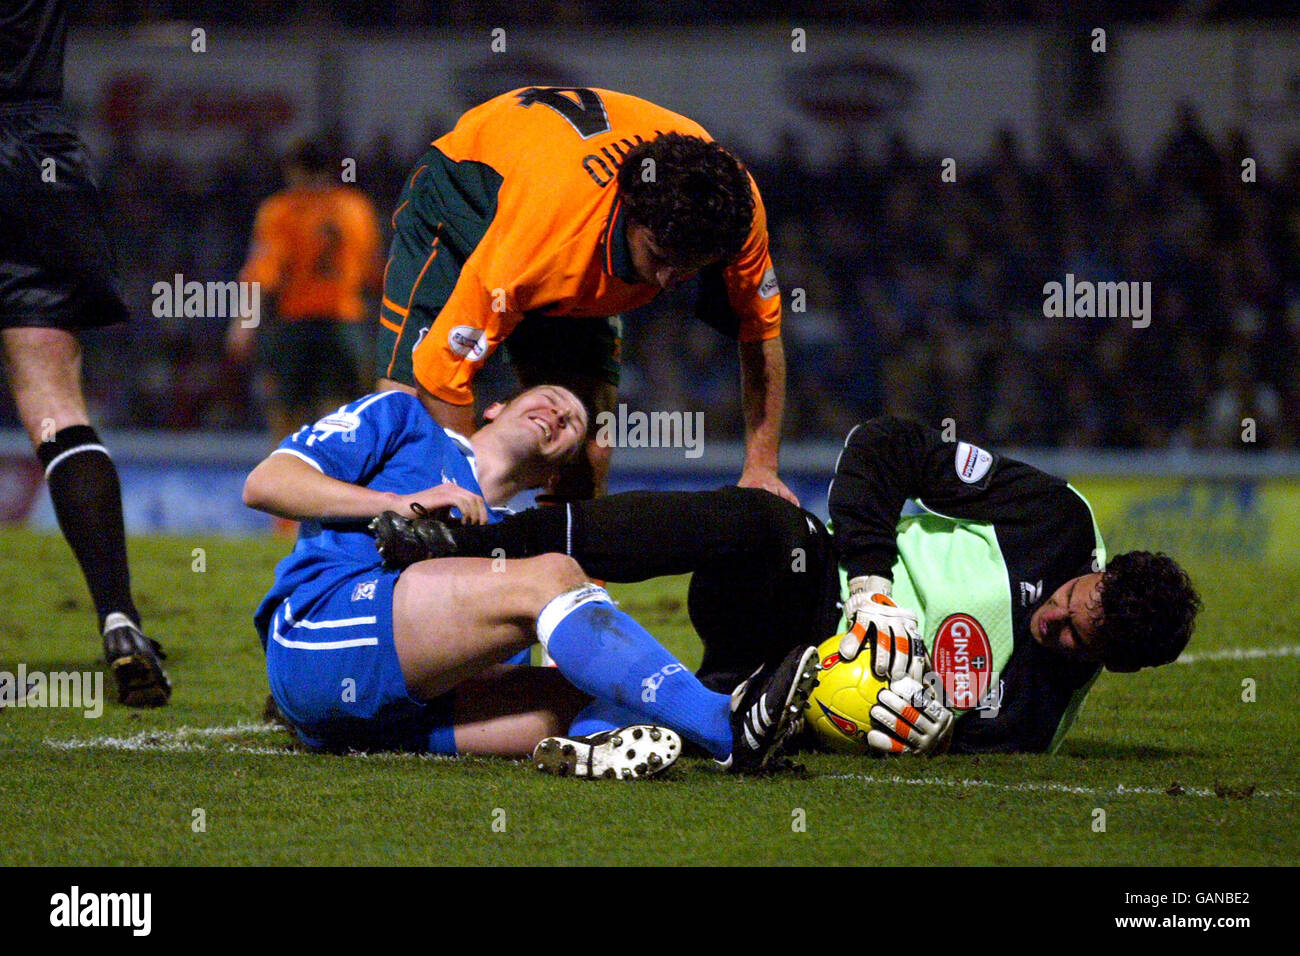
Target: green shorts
316, 360
453, 203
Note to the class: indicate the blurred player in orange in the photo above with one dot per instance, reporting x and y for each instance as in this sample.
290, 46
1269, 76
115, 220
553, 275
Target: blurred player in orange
540, 217
315, 253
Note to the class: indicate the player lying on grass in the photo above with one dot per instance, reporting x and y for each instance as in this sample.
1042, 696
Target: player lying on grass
359, 657
1000, 569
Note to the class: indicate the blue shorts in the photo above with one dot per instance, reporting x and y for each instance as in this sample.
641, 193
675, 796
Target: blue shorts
333, 670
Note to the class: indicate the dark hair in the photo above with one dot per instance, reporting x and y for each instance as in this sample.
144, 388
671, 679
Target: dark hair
309, 155
1148, 609
698, 205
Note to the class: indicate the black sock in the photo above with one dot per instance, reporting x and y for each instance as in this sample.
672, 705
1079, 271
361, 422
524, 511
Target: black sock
635, 535
746, 613
645, 534
88, 503
649, 534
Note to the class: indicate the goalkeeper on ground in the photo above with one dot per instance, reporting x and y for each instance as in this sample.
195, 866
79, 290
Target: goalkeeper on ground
1000, 569
991, 586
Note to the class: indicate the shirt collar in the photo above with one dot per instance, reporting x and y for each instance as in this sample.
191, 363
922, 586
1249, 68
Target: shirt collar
465, 448
618, 255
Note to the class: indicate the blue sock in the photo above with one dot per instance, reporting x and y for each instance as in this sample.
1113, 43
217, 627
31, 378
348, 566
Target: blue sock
605, 653
601, 715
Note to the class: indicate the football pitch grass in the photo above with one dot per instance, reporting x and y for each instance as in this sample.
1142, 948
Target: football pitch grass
1165, 767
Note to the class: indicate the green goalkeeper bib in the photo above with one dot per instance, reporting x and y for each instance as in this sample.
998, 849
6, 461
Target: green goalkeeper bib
952, 574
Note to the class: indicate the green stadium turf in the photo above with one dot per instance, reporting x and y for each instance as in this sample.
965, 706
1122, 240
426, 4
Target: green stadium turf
1170, 756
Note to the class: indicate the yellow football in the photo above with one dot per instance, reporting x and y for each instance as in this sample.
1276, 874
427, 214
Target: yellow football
839, 709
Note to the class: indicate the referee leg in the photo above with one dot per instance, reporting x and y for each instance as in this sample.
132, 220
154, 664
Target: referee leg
44, 371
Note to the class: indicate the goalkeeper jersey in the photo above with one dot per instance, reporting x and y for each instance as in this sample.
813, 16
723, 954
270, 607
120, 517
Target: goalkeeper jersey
983, 541
385, 441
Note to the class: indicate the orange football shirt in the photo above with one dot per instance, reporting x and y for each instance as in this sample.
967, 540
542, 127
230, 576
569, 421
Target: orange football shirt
317, 250
548, 247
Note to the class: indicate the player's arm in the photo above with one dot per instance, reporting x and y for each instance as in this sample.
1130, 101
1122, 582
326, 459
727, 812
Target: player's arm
288, 487
459, 418
762, 380
476, 318
742, 299
876, 473
886, 461
324, 471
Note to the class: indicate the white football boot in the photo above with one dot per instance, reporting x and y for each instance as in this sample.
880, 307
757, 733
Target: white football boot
638, 750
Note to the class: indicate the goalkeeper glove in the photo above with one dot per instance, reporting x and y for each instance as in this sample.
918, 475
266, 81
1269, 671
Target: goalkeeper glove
908, 718
896, 646
402, 541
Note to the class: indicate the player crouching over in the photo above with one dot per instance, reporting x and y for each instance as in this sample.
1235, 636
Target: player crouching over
364, 658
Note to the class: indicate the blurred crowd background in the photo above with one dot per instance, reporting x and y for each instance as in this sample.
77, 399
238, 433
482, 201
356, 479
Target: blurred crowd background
421, 13
918, 297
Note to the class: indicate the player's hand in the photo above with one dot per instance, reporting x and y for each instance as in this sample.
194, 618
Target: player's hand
766, 478
892, 632
472, 508
908, 718
239, 341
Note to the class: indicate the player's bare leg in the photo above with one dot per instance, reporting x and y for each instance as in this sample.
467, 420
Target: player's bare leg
44, 370
455, 617
282, 421
506, 710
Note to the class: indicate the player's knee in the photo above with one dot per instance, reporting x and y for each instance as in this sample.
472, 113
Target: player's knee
555, 574
775, 520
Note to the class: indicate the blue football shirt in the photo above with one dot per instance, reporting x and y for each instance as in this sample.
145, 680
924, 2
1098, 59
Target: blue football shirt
385, 441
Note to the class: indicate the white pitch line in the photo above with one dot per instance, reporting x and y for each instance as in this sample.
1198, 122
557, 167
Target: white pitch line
179, 738
173, 741
1119, 790
190, 740
1241, 654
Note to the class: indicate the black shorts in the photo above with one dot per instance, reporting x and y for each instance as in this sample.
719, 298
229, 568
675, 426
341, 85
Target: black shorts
56, 265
